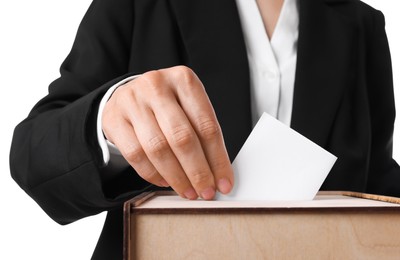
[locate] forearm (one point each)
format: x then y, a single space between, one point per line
56 159
55 156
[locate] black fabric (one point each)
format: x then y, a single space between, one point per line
111 238
343 98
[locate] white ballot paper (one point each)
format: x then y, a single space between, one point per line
277 163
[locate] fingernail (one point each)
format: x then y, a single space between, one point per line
190 194
163 183
224 185
208 194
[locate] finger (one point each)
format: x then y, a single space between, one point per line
157 149
184 143
124 138
213 145
197 106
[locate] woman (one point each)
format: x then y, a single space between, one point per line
329 77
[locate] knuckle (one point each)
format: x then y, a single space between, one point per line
187 76
200 177
220 164
157 146
119 103
149 176
134 154
122 93
208 129
125 97
152 76
154 81
184 70
120 97
182 137
177 182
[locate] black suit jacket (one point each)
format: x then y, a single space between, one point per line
343 98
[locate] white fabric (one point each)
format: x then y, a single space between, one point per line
272 62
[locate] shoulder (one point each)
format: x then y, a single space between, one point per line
356 11
356 6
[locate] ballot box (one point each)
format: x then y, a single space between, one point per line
335 225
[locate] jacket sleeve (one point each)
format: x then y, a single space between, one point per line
384 172
55 156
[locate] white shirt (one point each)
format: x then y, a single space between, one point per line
272 62
272 67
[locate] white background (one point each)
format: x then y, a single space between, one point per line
35 37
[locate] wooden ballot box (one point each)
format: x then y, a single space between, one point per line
335 225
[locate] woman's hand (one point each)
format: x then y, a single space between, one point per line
165 127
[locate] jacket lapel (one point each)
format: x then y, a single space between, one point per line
213 39
324 57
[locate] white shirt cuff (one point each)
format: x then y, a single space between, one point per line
106 146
